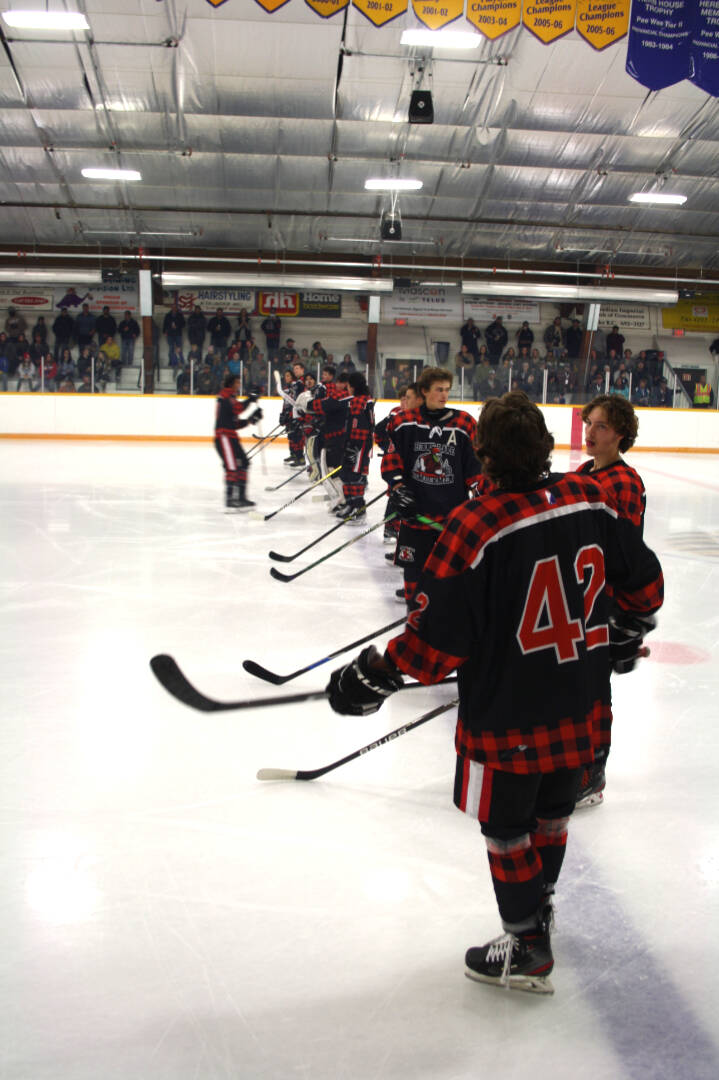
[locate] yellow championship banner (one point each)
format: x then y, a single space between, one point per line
327 8
494 17
270 6
549 19
434 14
700 313
602 22
380 12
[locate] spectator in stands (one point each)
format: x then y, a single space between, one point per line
243 333
4 366
714 347
63 328
26 374
573 340
628 359
111 350
523 355
535 359
703 394
129 330
511 356
641 371
67 386
621 386
84 327
661 396
85 384
641 393
37 350
66 366
104 372
205 383
525 337
194 356
84 360
219 330
197 327
470 334
615 341
105 325
15 325
40 329
496 337
489 387
464 361
256 374
172 327
554 338
288 353
318 354
270 327
233 362
176 358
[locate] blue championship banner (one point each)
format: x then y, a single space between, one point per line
659 49
705 48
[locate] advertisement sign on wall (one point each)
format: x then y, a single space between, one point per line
625 316
423 303
700 313
26 298
512 311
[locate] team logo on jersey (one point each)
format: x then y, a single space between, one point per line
433 467
405 553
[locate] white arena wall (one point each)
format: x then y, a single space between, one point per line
159 416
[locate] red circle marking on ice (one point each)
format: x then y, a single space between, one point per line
672 652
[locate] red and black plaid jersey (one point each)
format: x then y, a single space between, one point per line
332 411
513 596
381 436
432 453
624 488
360 423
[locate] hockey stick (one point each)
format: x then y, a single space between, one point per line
261 438
260 446
290 558
279 576
278 680
168 672
266 517
313 774
292 476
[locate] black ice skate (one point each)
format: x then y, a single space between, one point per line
591 791
515 961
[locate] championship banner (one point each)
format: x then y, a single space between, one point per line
27 298
434 14
705 48
380 12
602 22
494 17
327 8
659 49
270 6
701 314
549 20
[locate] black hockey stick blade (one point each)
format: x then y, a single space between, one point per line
279 576
313 774
292 476
169 674
290 558
278 680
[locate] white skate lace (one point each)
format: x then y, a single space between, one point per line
501 949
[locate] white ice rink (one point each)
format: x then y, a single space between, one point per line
165 916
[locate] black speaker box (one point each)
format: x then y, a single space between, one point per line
421 110
391 227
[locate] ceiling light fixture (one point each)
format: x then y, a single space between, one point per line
374 240
569 292
277 281
657 197
441 39
111 174
52 277
46 20
389 183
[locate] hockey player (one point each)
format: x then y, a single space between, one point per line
610 429
295 431
227 442
409 401
357 449
332 412
310 425
429 467
513 597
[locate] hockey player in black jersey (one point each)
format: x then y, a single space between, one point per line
513 597
227 442
429 465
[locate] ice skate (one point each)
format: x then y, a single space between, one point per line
514 962
591 791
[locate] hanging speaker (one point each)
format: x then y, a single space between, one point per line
421 110
390 227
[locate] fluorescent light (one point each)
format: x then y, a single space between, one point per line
111 174
441 39
569 292
277 281
657 197
377 240
46 20
390 184
138 232
52 277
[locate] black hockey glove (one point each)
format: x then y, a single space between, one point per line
256 415
627 631
359 689
253 397
402 502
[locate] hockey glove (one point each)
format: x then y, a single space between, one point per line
402 502
359 689
252 397
256 415
627 631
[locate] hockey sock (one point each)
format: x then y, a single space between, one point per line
550 841
517 878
